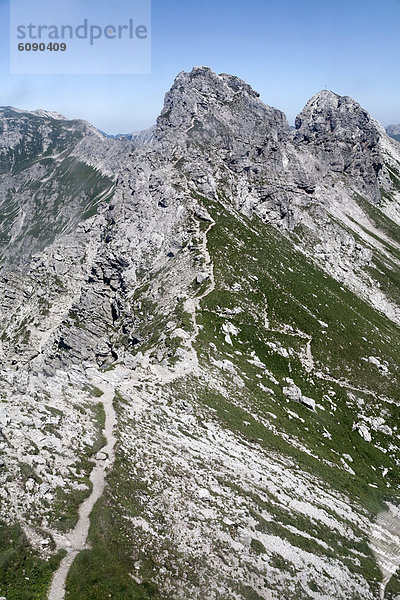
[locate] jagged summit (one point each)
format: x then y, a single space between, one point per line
323 99
343 133
220 110
218 107
204 76
221 115
326 111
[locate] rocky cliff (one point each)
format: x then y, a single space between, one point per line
233 286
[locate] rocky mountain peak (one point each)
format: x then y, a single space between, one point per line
343 134
329 113
220 108
223 85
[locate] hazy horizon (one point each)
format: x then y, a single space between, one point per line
129 131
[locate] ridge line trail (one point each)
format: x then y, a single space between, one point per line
75 540
190 365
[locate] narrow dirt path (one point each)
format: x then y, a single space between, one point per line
75 540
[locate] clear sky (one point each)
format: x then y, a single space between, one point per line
286 49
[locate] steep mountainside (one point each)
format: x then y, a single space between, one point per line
200 348
53 175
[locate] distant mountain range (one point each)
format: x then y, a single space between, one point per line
139 138
393 131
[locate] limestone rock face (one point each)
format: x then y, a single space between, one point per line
344 135
219 110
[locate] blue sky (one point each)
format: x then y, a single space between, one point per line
286 49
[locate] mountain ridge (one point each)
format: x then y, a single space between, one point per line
236 291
